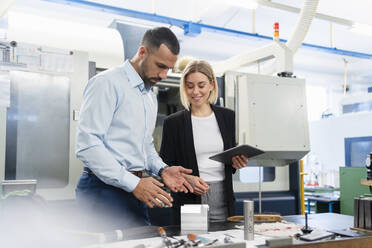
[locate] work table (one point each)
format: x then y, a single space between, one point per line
325 221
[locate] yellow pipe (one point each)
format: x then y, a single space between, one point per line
302 186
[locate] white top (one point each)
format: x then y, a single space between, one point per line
208 141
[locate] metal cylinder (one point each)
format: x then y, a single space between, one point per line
248 208
6 55
369 168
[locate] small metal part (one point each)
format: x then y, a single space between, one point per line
306 229
227 240
212 242
361 213
279 242
191 236
286 74
356 212
369 168
161 231
166 241
248 207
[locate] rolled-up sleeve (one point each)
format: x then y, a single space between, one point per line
96 113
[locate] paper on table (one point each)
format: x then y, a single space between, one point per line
4 90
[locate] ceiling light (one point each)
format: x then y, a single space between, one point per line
360 28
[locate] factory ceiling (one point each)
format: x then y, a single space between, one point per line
334 32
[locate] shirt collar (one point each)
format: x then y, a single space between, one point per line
134 78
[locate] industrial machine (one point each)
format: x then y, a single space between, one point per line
45 85
259 100
271 115
43 75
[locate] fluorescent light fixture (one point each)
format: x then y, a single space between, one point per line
360 28
248 4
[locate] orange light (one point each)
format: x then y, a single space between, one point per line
276 31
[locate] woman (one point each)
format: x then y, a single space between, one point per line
192 135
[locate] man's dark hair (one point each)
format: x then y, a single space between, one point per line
153 38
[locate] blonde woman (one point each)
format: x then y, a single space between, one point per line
192 135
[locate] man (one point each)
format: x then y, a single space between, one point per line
114 139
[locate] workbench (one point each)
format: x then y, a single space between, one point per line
328 221
330 201
149 237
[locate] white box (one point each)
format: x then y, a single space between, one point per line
194 218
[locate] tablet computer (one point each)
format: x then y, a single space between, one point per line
226 156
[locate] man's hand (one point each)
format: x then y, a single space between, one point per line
200 187
239 161
148 191
173 178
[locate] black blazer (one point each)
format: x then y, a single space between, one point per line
177 148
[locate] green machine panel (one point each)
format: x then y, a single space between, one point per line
350 187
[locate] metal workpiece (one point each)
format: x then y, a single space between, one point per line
369 168
248 208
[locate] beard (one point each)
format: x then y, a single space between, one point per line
148 81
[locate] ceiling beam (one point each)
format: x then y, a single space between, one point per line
184 24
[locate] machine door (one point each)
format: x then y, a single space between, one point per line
38 129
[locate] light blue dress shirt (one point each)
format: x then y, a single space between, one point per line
117 120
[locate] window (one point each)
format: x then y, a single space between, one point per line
356 150
251 174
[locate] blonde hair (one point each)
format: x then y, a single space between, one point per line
205 68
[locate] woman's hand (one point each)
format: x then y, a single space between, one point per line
173 177
239 161
200 187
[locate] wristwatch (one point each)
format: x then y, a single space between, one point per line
161 170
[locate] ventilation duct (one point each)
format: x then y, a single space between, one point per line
299 33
